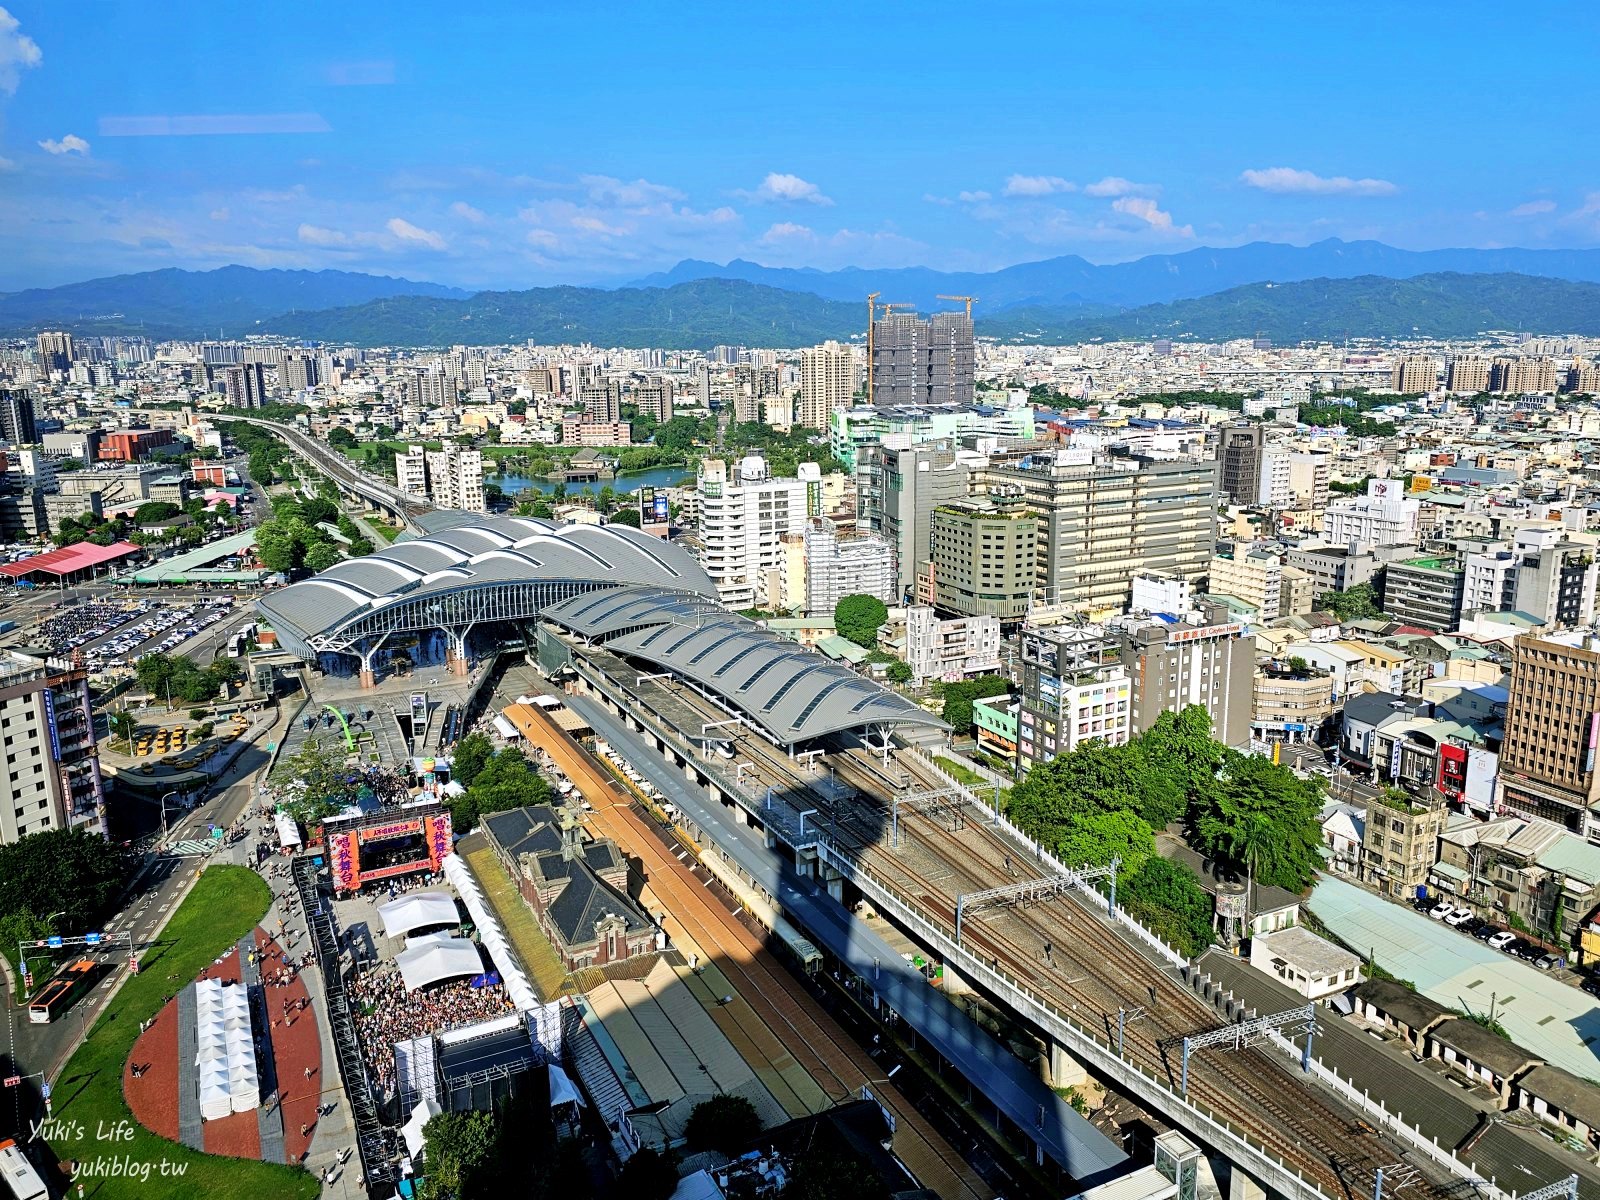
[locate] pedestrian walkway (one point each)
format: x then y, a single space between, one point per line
190 849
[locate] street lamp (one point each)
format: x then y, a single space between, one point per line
164 813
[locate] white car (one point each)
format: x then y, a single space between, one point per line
1501 940
1442 910
1459 917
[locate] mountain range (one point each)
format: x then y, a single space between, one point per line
1330 290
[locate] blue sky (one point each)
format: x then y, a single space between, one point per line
516 145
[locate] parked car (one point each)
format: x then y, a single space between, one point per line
1502 939
1529 951
1471 925
1548 962
1486 931
1458 916
1518 947
1441 910
1591 984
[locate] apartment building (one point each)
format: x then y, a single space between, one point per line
1262 579
922 362
1522 375
827 382
744 513
1468 373
981 560
245 385
1415 373
1287 705
455 479
411 472
837 567
1204 659
1385 516
1552 730
1105 520
950 650
1309 475
1074 689
654 398
1401 841
897 491
51 769
1426 592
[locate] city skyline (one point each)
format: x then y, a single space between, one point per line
530 148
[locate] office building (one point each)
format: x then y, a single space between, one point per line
1556 577
744 513
896 493
1469 374
1105 520
17 426
837 567
1288 705
455 479
1275 487
1548 762
245 385
1385 516
50 778
1074 689
981 561
851 430
1426 592
827 382
1204 659
1415 373
950 650
55 352
411 472
1239 463
1261 579
916 362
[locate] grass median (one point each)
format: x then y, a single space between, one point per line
224 905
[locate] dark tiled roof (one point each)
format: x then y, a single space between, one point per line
1488 1049
1400 1002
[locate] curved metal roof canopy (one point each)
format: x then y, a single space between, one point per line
792 693
494 569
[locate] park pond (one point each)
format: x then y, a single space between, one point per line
630 481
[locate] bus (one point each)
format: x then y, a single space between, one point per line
22 1180
57 996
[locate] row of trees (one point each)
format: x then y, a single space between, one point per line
1256 819
496 781
172 676
60 881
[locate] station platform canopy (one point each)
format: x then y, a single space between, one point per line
69 560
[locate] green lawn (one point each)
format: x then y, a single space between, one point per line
960 772
224 905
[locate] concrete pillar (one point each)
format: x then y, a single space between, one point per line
1242 1187
806 865
369 678
1065 1070
836 888
955 984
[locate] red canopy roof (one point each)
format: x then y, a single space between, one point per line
79 556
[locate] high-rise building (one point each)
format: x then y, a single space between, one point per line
653 398
1204 659
299 372
1260 578
917 362
1276 488
827 382
411 472
55 352
1548 764
17 426
1103 521
1556 576
1584 376
982 558
455 479
744 513
896 493
49 769
245 385
837 567
1425 591
1074 689
1309 476
1520 375
602 402
1239 460
1415 373
1470 373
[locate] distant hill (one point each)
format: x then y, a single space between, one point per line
1442 305
1154 279
174 303
695 315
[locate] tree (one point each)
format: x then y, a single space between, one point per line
360 547
899 672
958 698
1166 898
625 516
1358 603
505 782
71 871
459 1156
1262 820
320 556
725 1123
122 725
342 438
647 1175
153 511
859 618
321 783
1096 839
472 754
828 1169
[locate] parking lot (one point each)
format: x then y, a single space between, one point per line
112 632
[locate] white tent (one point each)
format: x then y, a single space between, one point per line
562 1089
417 911
437 961
288 831
412 1132
224 1050
506 729
516 983
417 941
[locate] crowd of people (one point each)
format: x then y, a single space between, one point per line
386 1013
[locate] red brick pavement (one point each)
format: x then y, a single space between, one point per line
296 1045
153 1096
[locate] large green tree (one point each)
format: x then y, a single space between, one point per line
859 618
1262 820
1358 603
1167 898
459 1156
68 871
471 755
506 781
958 698
725 1123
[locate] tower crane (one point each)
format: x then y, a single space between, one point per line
872 320
971 300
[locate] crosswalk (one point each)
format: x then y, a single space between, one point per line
190 849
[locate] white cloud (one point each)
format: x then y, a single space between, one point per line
1145 209
407 232
588 224
972 197
71 144
7 165
204 124
467 213
543 238
603 189
316 235
1115 185
781 188
942 201
1533 208
787 231
1037 185
1290 181
220 214
18 53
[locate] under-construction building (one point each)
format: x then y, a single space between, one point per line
919 362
